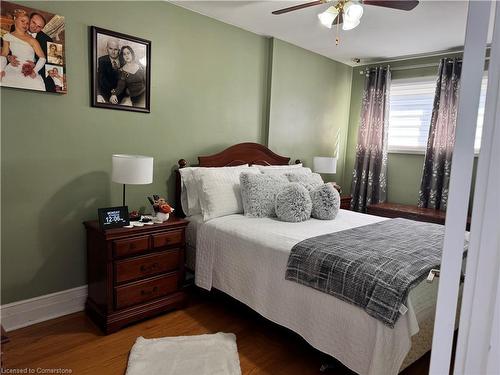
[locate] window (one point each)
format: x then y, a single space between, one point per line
410 114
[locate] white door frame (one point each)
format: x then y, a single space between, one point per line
460 184
479 322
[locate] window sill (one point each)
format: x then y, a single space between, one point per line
406 151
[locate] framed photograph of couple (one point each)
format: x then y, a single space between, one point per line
33 49
121 71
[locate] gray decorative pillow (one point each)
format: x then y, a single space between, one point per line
258 193
293 203
278 169
309 181
325 202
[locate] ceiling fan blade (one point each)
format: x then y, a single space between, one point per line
339 19
394 4
300 6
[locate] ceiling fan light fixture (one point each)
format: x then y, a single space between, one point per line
349 24
353 11
328 16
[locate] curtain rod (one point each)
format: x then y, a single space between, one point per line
408 67
423 56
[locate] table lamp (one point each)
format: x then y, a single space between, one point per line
325 165
132 170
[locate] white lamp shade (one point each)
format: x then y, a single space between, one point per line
132 169
353 11
328 16
349 25
323 164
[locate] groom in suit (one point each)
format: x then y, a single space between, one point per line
37 23
108 74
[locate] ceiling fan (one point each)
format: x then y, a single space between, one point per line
348 12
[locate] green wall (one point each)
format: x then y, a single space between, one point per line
404 171
309 105
211 88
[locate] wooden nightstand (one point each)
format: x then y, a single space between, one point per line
345 202
134 273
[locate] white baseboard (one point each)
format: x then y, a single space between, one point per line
35 310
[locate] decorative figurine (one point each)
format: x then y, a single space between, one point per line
162 209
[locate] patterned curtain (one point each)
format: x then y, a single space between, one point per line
369 182
437 165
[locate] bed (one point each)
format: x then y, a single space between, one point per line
246 259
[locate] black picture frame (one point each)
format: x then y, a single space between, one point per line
118 222
104 76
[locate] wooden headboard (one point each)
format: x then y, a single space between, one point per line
242 153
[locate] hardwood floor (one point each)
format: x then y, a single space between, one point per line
74 342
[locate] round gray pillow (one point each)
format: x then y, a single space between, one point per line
293 203
325 202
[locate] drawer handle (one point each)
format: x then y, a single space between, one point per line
150 268
149 292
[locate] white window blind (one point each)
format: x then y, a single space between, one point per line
410 114
480 114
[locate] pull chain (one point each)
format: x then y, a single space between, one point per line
337 38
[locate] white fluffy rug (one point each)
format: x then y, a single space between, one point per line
215 354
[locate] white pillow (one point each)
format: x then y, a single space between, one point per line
190 200
219 190
189 192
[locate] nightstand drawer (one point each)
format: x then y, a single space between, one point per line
142 291
130 246
175 237
148 265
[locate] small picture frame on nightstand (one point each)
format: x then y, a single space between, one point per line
113 217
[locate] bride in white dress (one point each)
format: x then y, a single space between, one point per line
24 47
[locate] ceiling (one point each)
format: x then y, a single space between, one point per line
384 34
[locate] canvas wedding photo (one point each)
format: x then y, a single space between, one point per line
31 39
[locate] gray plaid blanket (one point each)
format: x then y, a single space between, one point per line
373 267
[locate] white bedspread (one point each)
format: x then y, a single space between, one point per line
195 221
247 257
